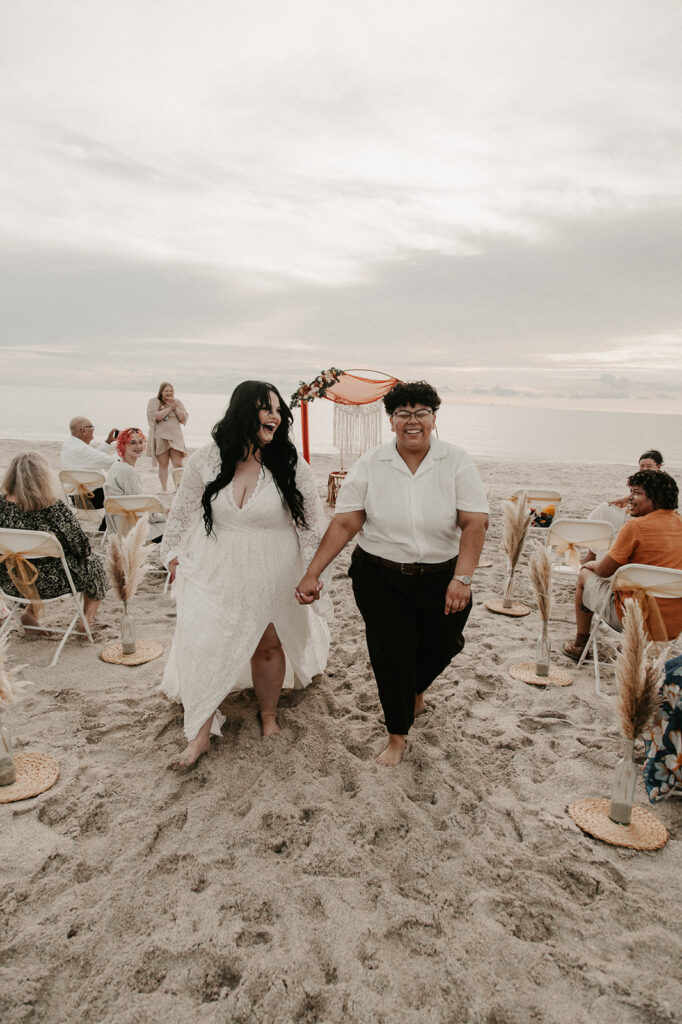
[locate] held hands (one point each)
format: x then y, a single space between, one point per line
308 589
456 597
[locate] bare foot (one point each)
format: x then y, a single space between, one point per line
29 619
190 755
420 707
392 755
268 723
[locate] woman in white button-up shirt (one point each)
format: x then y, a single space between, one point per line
421 511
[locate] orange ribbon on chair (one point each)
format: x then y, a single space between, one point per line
651 613
23 575
116 508
82 495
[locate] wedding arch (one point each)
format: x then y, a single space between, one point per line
358 410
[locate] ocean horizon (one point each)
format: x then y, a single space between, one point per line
513 432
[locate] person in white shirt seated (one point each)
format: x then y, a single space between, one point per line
78 452
420 508
123 478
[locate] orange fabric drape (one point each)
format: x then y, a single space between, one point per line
351 389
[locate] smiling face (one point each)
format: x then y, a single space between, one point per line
135 447
638 503
269 419
412 426
168 393
648 464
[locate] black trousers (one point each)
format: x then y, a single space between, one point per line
410 639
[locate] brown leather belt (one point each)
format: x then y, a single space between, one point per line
411 568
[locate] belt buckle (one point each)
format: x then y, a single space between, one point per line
410 569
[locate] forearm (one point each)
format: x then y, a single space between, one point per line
337 535
470 547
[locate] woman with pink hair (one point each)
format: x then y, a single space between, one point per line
123 478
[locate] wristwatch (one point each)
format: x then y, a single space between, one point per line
466 580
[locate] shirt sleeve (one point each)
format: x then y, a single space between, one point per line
470 495
623 548
353 492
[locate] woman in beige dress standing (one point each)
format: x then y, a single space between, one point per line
166 416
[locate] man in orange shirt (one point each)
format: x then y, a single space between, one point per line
651 536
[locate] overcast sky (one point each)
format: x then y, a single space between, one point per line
483 193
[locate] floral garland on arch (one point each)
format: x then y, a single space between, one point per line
316 389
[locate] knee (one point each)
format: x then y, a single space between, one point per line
268 650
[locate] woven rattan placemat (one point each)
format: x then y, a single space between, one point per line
35 774
516 611
146 650
527 674
645 831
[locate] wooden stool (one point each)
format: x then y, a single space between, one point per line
334 485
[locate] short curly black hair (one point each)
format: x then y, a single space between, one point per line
411 392
659 487
654 454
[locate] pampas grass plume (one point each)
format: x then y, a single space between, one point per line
639 674
540 570
516 522
126 560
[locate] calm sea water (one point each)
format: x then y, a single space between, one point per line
517 434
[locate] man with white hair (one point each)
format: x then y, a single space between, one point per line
78 452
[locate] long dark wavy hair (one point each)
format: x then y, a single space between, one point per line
237 431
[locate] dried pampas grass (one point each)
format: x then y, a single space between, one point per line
540 571
11 688
127 560
639 674
516 522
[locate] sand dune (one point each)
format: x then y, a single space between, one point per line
295 880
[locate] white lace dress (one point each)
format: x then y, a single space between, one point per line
231 585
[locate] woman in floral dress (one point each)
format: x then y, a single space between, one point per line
29 501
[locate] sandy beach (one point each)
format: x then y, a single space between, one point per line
294 880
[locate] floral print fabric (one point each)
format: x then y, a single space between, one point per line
663 738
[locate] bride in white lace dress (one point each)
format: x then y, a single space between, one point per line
245 520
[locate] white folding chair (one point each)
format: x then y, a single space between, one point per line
79 484
654 581
537 498
569 535
29 546
177 475
124 510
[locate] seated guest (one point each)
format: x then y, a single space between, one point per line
615 512
123 478
29 500
651 536
78 452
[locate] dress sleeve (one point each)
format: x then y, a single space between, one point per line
67 529
186 508
309 537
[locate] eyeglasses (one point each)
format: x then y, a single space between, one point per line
87 426
420 414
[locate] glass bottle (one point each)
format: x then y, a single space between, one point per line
7 770
127 631
623 789
507 599
543 652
